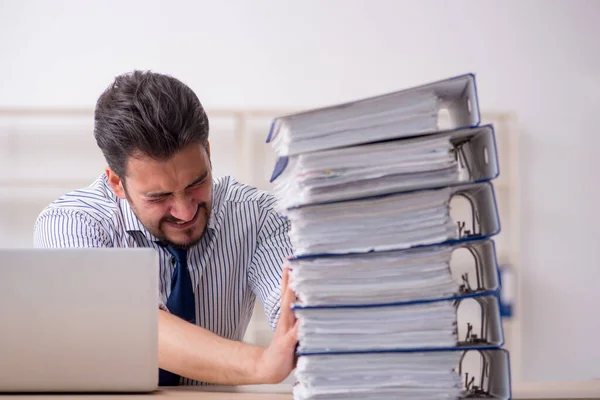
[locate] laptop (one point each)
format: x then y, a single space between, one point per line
78 320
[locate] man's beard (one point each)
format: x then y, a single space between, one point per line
158 232
202 207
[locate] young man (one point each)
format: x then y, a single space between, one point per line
221 243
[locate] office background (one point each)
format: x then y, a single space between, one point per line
538 74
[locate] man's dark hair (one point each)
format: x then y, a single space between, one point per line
150 114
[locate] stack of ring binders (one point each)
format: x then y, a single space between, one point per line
398 287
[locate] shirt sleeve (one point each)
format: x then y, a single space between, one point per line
65 228
273 247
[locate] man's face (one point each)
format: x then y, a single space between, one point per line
171 198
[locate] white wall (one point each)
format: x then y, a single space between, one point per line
538 58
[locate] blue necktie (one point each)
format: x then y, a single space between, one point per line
181 302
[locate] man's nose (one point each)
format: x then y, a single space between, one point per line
184 208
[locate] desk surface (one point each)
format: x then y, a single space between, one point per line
529 390
266 392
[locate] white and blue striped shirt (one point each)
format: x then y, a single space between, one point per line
239 258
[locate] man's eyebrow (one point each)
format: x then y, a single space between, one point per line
163 194
199 179
157 194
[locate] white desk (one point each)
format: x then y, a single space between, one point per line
535 390
556 390
183 393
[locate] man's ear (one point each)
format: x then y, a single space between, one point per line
116 184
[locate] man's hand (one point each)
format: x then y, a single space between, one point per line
279 359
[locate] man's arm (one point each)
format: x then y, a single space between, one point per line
66 228
273 248
186 349
199 354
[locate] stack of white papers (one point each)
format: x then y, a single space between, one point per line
418 375
425 325
362 171
374 278
382 223
379 118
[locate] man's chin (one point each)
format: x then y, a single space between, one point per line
184 239
180 244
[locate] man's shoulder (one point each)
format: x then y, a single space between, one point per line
96 201
229 190
258 209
